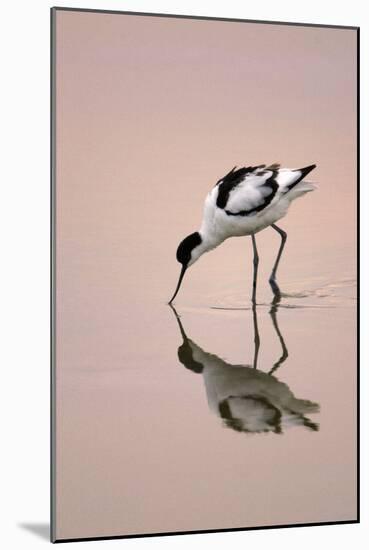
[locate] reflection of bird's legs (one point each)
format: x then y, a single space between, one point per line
256 336
273 315
256 263
272 278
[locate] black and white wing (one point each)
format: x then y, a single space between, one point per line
249 190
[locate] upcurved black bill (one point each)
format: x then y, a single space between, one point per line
183 271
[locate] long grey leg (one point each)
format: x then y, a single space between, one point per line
272 278
256 263
256 336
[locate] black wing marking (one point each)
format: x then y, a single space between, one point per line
270 183
303 172
231 180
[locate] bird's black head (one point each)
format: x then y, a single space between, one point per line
186 246
186 257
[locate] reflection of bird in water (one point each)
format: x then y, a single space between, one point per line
247 399
244 202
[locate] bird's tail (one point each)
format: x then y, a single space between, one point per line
301 188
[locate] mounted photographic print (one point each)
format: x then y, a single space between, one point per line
204 264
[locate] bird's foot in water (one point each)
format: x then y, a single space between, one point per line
275 288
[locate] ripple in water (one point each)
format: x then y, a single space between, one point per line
330 294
